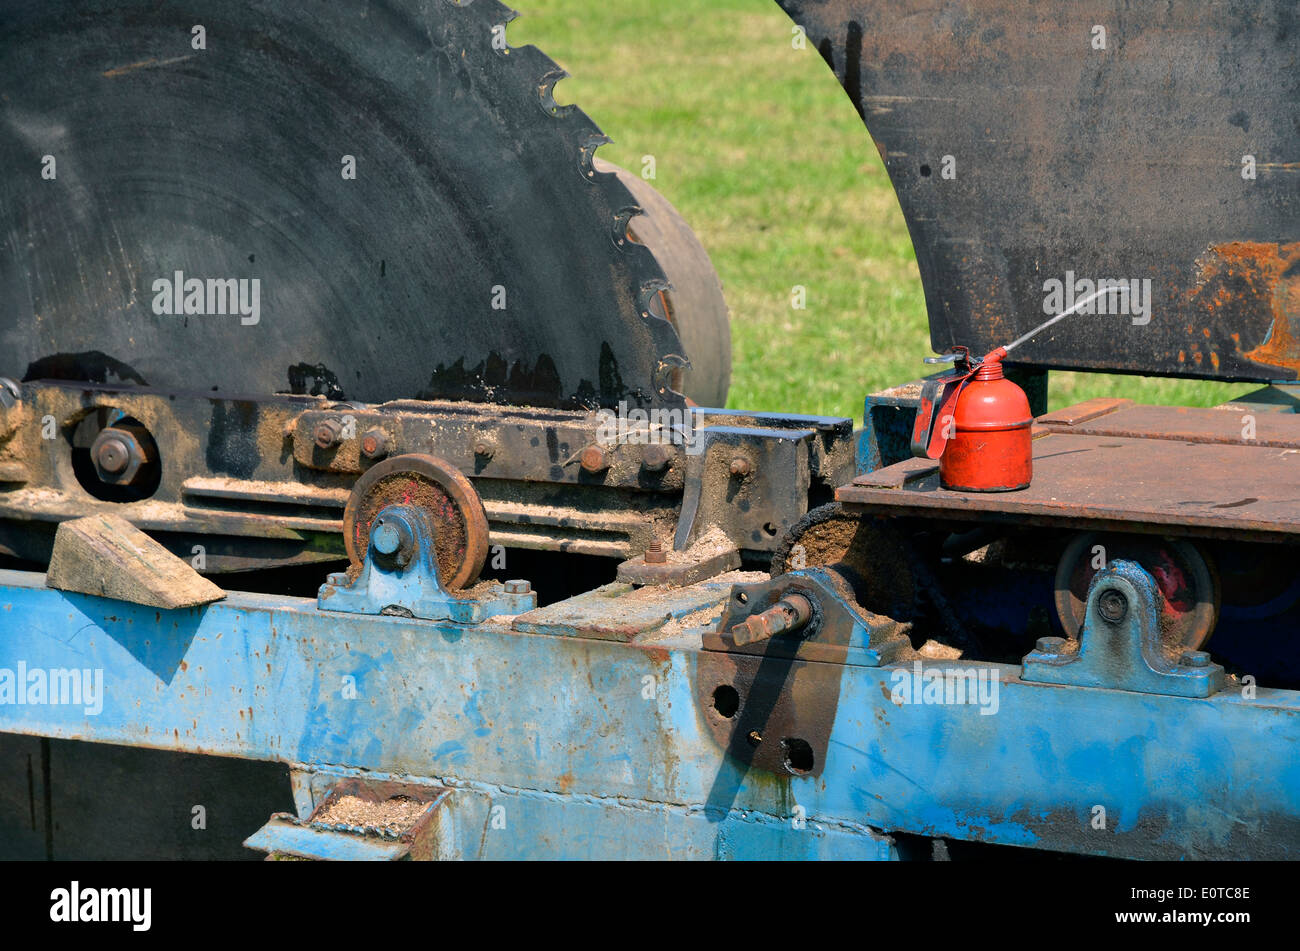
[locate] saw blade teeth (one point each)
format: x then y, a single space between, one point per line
588 161
546 94
647 276
620 234
649 290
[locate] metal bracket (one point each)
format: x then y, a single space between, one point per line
400 576
699 562
1120 647
359 820
768 680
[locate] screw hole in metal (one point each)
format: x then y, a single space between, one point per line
798 754
726 700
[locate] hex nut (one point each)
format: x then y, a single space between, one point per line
328 433
518 587
656 457
374 444
595 459
1113 605
119 456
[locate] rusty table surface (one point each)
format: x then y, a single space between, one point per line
1113 465
1232 424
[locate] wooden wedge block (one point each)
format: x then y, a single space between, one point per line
107 556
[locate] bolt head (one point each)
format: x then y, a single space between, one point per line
386 538
374 444
484 449
393 539
1113 605
741 467
518 587
328 433
595 459
1195 659
117 456
656 457
1049 645
113 455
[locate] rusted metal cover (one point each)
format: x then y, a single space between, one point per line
1027 147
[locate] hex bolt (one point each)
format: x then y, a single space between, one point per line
337 578
112 455
328 433
788 615
518 587
1195 659
656 457
374 444
1049 645
741 467
484 449
655 554
595 459
123 454
1113 605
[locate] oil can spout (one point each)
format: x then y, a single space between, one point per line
990 368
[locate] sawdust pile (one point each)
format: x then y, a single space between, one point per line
393 815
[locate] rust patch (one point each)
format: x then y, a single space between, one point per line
1254 276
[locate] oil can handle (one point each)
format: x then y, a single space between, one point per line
938 401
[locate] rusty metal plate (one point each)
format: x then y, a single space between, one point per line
1025 147
769 712
1113 482
1230 427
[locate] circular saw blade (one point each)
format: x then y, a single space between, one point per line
475 254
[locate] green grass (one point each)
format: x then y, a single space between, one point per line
761 151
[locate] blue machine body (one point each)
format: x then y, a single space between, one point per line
559 745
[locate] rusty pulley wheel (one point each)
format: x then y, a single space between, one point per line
1185 575
867 552
443 492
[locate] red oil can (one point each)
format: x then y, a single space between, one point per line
977 423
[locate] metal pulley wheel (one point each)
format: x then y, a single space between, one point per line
1185 575
446 496
870 555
